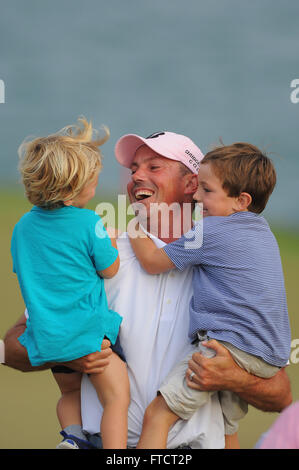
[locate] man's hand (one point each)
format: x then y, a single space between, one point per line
218 373
16 355
94 363
222 373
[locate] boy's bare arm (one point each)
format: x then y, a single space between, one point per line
222 373
16 355
109 272
153 260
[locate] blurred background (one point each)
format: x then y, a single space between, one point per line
209 70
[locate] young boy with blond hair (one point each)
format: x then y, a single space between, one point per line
61 253
238 286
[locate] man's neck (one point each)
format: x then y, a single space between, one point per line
171 230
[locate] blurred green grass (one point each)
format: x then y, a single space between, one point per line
28 400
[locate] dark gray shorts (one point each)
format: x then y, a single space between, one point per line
67 370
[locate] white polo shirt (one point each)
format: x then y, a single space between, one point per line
154 337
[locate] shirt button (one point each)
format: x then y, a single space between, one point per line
168 301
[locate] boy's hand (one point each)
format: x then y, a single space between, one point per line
134 230
113 232
94 363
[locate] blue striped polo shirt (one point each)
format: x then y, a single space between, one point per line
238 284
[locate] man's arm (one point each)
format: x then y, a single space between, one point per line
16 355
222 373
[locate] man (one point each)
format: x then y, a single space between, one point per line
152 335
154 329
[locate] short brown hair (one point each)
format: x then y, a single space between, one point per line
242 167
56 168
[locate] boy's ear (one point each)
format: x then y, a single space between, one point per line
68 203
243 201
191 183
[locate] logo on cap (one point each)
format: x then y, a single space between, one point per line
192 156
155 135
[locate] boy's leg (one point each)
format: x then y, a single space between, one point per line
158 418
113 390
232 441
69 410
176 400
69 405
233 407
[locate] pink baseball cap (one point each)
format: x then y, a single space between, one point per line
167 144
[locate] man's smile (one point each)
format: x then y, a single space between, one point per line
142 193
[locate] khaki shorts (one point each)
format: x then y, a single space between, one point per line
184 401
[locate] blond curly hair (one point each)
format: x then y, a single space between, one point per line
56 168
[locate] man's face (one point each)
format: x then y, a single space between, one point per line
155 179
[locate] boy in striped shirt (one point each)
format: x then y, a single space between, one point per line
238 287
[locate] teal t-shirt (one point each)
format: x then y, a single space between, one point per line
56 255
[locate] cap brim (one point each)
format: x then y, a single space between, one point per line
126 147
